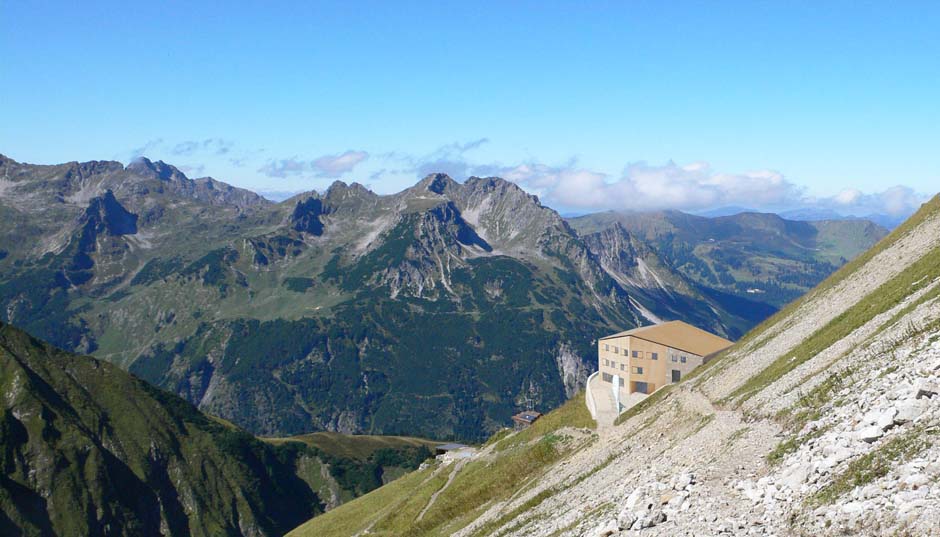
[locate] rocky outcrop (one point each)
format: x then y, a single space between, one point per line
105 215
206 190
306 216
572 369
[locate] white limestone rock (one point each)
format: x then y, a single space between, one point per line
870 434
605 529
909 410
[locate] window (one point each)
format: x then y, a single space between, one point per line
676 375
613 364
606 347
626 352
641 387
638 370
607 377
636 354
606 361
616 350
683 359
623 367
621 381
674 358
654 355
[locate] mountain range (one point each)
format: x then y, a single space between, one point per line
438 311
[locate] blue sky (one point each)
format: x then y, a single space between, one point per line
591 105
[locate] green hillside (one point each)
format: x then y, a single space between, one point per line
91 450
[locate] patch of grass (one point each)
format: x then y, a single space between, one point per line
497 436
790 445
702 423
888 370
355 446
353 517
298 285
520 458
490 528
737 435
573 413
809 406
480 483
874 465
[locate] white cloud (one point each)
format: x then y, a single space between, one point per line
337 165
326 166
145 149
645 187
450 159
217 146
284 167
895 201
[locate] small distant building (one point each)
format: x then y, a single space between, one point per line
448 448
525 418
645 359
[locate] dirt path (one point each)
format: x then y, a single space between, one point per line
604 402
453 473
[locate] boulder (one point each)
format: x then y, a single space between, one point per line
909 410
927 390
683 481
885 419
632 500
606 529
870 434
625 519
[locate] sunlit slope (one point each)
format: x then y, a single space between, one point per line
441 499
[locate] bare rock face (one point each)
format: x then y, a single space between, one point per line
572 369
306 216
105 215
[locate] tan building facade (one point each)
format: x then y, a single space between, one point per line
645 359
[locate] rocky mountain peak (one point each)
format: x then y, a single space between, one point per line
158 169
438 183
107 215
306 216
341 191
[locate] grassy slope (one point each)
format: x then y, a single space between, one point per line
358 446
88 447
517 459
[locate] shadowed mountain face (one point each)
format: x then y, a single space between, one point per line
439 311
88 449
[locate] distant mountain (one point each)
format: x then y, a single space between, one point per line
437 311
730 210
809 214
750 257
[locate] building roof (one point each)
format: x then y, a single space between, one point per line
450 447
678 335
527 416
